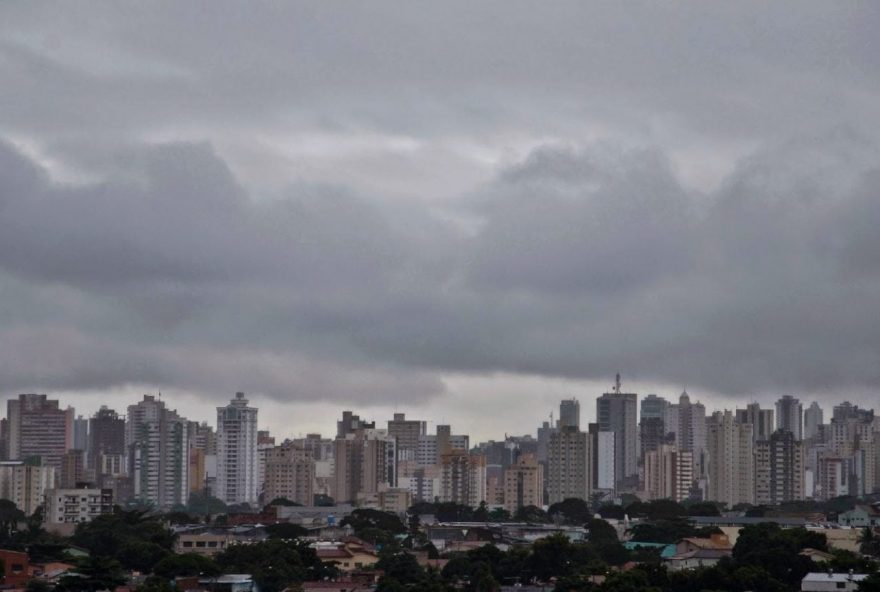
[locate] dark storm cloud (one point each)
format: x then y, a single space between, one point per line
346 205
583 260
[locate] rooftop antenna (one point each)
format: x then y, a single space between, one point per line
617 383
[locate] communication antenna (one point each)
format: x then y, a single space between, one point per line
617 383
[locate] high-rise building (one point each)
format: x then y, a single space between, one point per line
106 437
463 478
25 484
431 446
365 462
731 460
38 427
691 435
290 473
158 453
790 416
569 465
602 447
407 432
761 420
73 469
81 434
813 418
523 484
779 469
653 406
669 473
237 470
617 412
570 413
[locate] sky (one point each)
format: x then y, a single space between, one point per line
462 211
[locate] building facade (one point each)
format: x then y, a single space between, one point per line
237 466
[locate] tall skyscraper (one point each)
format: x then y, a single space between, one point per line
652 423
779 469
38 427
618 412
106 437
731 460
81 434
653 406
237 470
158 453
761 420
790 416
569 465
813 418
602 463
570 413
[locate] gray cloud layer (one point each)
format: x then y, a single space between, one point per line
346 205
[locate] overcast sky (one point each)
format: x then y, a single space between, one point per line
465 211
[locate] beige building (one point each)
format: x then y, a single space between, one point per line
463 478
25 484
290 473
365 463
669 473
524 484
569 465
731 460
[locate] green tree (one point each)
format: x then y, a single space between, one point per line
572 510
869 542
10 516
481 514
532 515
135 539
402 566
93 573
367 518
286 530
274 563
202 504
186 564
601 532
870 584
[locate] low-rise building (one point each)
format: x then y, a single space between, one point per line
861 516
348 555
65 508
831 582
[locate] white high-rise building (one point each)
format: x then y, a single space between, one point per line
813 418
691 436
731 460
237 462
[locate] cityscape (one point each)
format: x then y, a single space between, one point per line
439 296
784 464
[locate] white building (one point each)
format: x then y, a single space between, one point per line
237 452
831 582
71 506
